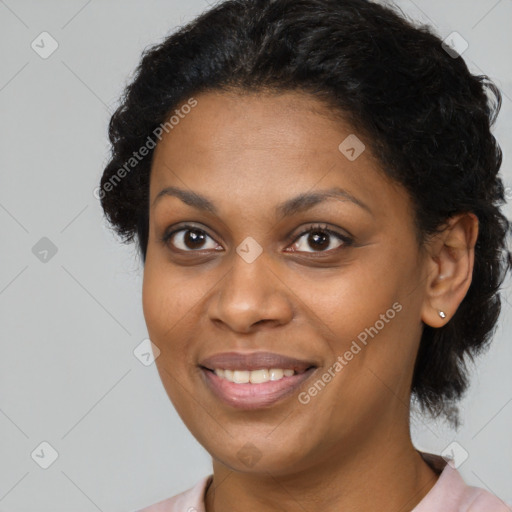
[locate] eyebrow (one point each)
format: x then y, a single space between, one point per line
289 207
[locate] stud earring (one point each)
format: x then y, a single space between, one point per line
442 314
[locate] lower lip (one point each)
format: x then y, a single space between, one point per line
254 396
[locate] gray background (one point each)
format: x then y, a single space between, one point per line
69 325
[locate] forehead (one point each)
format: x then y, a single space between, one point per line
264 146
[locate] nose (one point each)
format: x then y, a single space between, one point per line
251 295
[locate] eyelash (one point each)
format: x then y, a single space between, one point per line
321 228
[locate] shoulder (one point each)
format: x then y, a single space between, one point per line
451 494
191 500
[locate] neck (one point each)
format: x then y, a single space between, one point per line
387 474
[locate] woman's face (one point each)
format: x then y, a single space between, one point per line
304 251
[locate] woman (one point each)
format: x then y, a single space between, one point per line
314 189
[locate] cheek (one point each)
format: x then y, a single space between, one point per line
365 316
348 300
167 295
168 304
168 301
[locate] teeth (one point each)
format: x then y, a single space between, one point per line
254 376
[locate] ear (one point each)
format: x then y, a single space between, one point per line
450 260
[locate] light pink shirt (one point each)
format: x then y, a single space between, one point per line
449 494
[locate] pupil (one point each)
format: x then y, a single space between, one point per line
314 238
193 239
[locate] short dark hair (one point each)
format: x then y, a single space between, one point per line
424 115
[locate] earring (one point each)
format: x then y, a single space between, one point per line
442 314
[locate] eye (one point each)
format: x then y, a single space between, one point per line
189 239
320 239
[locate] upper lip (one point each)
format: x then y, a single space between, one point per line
254 361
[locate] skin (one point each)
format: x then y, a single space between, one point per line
349 448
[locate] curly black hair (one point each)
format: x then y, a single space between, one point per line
425 116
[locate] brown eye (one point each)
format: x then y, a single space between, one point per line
190 239
320 239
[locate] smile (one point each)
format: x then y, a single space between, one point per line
255 389
254 376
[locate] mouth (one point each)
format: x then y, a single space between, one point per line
253 381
